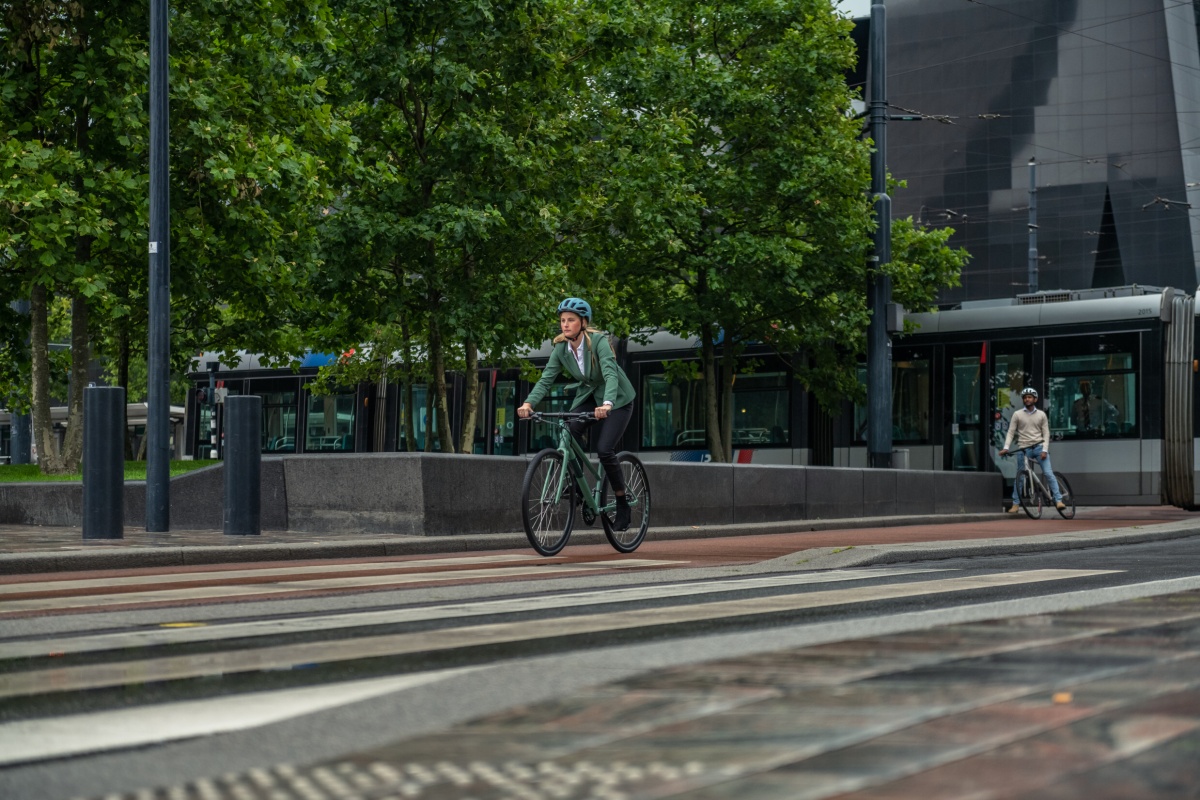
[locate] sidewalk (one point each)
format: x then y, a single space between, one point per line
829 544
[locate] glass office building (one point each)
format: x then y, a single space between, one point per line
1104 96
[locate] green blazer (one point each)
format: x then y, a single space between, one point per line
603 378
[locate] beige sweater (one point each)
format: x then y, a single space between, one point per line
1029 429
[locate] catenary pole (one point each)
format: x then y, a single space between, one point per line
1033 228
879 285
158 419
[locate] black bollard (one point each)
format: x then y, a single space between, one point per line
20 439
103 462
243 465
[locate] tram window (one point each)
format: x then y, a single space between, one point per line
760 409
330 425
421 426
279 412
479 440
910 400
672 412
504 429
1092 390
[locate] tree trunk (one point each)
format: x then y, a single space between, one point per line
430 425
437 364
466 442
712 396
39 347
72 453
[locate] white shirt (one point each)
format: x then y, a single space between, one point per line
578 353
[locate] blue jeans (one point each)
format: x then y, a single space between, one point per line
1047 470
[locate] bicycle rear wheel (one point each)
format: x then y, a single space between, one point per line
1031 498
547 511
637 489
1068 497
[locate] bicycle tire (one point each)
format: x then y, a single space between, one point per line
547 514
1031 498
637 487
1068 497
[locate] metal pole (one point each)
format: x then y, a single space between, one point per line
158 412
1033 253
243 465
879 287
103 462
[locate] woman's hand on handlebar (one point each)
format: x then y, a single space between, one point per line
1004 452
524 411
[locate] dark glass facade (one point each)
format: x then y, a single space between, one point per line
1103 94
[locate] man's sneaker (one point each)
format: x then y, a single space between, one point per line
621 518
1013 509
1060 505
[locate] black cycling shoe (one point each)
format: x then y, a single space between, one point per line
621 518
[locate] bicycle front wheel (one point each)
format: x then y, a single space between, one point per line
1068 497
1031 498
547 503
637 489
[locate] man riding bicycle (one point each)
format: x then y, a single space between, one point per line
1031 428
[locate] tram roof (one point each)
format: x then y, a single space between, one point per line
1051 308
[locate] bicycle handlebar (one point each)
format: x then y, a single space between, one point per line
568 415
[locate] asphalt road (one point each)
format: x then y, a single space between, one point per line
117 681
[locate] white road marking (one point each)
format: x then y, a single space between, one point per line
49 584
75 678
215 632
348 583
75 734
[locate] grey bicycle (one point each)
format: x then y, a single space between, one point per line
1033 491
556 484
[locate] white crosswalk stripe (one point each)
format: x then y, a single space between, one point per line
241 660
320 622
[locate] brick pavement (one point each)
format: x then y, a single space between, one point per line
26 549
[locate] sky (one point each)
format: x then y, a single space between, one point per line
856 8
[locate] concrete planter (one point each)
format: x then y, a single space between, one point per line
438 495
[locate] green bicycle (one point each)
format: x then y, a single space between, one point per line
556 483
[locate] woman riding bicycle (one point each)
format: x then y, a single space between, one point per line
1032 431
601 387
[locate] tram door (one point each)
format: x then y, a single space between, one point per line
965 440
1010 364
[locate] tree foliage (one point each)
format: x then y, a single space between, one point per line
429 178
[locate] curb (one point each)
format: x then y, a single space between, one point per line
105 555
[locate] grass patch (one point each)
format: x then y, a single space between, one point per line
134 471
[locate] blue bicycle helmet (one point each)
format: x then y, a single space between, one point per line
576 306
1029 390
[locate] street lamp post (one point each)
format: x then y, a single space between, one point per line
158 413
879 296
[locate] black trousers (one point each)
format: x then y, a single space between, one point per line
606 434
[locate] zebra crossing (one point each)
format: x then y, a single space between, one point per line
42 667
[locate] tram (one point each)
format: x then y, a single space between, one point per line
1115 368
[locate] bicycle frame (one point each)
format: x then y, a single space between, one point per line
1036 477
572 453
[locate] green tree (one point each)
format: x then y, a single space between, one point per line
472 176
756 226
249 128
